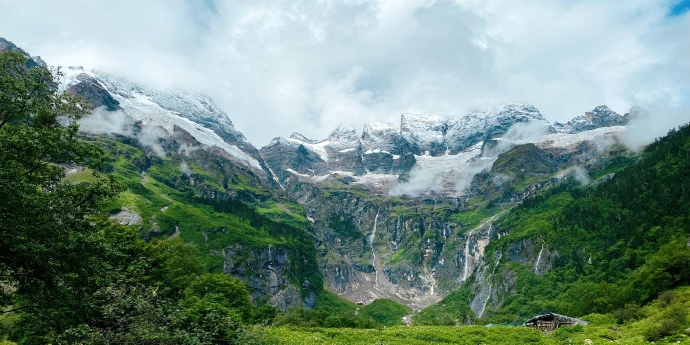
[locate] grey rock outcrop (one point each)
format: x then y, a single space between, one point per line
414 249
601 116
90 89
267 272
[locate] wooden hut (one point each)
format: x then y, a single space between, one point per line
551 321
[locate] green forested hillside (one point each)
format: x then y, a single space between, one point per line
194 206
620 242
69 274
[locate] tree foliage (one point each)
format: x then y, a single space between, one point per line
48 244
613 246
67 273
619 244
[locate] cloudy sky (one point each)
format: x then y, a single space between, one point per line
277 66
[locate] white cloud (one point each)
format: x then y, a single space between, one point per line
649 124
307 66
118 122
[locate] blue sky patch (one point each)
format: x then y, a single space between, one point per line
679 8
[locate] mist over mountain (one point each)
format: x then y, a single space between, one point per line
454 216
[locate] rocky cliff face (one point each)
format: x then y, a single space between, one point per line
162 113
385 249
90 89
406 212
600 116
6 45
191 146
267 272
401 211
493 279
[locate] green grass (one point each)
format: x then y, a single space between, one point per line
333 304
178 192
291 213
659 322
418 335
470 219
405 254
451 310
602 329
81 175
386 311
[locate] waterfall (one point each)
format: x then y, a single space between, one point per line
372 237
536 264
491 284
467 256
488 296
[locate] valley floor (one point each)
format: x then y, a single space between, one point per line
418 335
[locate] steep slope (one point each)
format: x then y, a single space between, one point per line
384 152
6 45
168 112
264 244
600 116
576 250
190 174
402 212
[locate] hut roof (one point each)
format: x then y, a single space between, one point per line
558 318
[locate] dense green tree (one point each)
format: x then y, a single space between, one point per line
230 291
616 244
67 273
49 246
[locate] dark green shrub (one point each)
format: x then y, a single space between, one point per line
631 311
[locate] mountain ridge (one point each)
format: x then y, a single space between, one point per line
425 160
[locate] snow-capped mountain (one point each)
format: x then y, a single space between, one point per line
203 123
32 61
386 156
600 116
400 186
474 127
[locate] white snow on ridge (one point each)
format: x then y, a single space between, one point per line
318 148
70 76
446 163
341 172
292 171
370 151
565 139
424 129
321 178
141 108
371 179
375 179
380 127
454 173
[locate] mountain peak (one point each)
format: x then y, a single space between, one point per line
377 129
600 116
410 120
344 132
601 109
300 137
514 110
6 45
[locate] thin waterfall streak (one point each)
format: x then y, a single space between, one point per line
467 256
372 237
486 301
536 264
